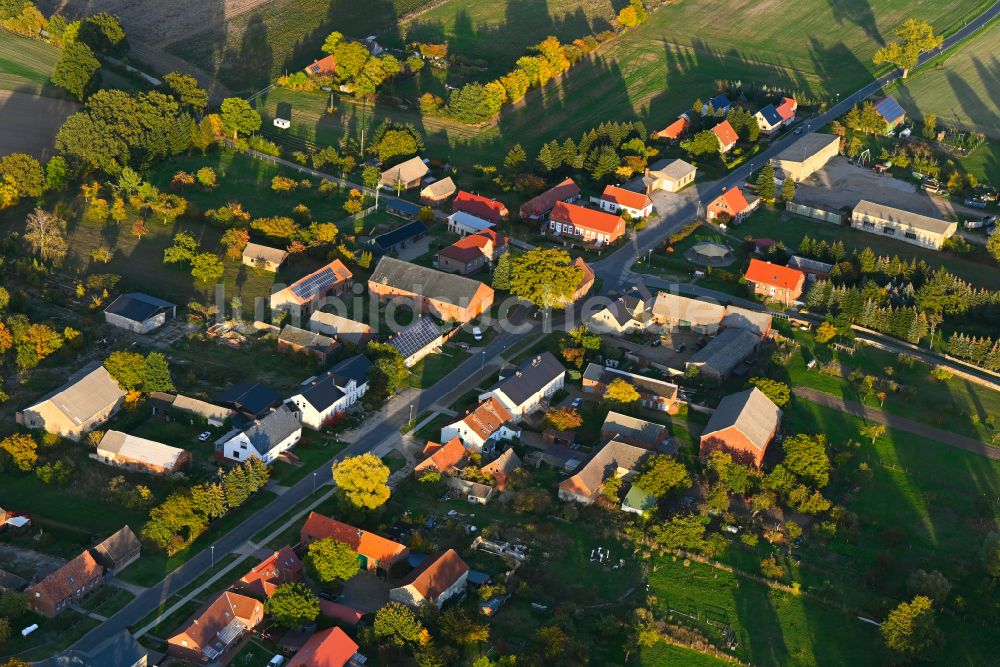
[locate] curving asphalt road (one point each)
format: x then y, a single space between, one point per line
613 270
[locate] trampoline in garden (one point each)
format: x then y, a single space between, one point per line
707 253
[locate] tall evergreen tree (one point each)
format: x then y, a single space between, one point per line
765 183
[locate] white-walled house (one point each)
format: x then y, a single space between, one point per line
530 387
332 393
485 423
266 438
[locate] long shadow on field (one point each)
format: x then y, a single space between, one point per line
832 63
858 12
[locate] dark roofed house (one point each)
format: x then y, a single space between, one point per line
743 426
302 340
634 431
445 295
418 340
401 208
139 313
321 400
719 104
118 551
399 238
253 400
530 387
265 438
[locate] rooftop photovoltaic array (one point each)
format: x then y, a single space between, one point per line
312 285
416 337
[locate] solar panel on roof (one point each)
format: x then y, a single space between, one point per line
415 337
314 284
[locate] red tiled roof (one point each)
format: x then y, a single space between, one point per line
674 130
368 544
623 197
787 108
436 574
473 246
481 207
487 417
63 582
442 457
323 67
736 201
545 201
340 612
281 568
774 274
725 132
203 628
328 648
586 218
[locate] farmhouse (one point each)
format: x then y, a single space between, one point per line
438 192
447 296
281 567
442 458
743 426
328 648
717 360
139 313
266 438
213 415
805 157
616 200
774 281
463 224
675 130
333 393
475 251
891 112
217 629
731 206
439 578
480 207
69 584
405 175
913 228
398 238
757 321
668 175
419 339
614 459
344 329
585 224
629 312
727 136
118 551
401 208
634 431
140 455
674 312
325 66
538 207
306 294
653 394
481 424
88 400
374 551
530 387
264 257
294 339
501 468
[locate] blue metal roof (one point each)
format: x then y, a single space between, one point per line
403 206
720 102
890 110
406 232
137 306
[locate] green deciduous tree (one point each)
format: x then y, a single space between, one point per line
563 419
362 480
473 103
396 624
185 88
77 71
24 173
621 391
293 604
704 142
806 457
683 531
388 372
779 392
127 368
662 474
546 277
330 561
239 117
788 189
103 33
910 631
931 584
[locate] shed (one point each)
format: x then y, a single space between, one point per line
139 313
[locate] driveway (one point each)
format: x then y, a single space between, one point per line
365 592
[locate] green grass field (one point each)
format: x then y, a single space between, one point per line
961 90
26 64
669 655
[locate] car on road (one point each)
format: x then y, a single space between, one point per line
477 333
798 130
204 435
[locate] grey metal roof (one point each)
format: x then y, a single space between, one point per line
743 318
903 218
675 307
138 307
88 392
346 329
414 338
140 449
674 170
605 462
270 431
751 412
531 377
429 283
806 264
633 427
724 352
806 146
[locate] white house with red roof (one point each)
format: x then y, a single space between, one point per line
586 225
732 206
481 207
775 116
615 200
727 136
487 422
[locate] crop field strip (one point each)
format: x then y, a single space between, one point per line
25 64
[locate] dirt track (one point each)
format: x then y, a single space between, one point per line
28 123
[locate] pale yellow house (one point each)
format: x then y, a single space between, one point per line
88 400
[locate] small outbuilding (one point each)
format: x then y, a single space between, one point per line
139 313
